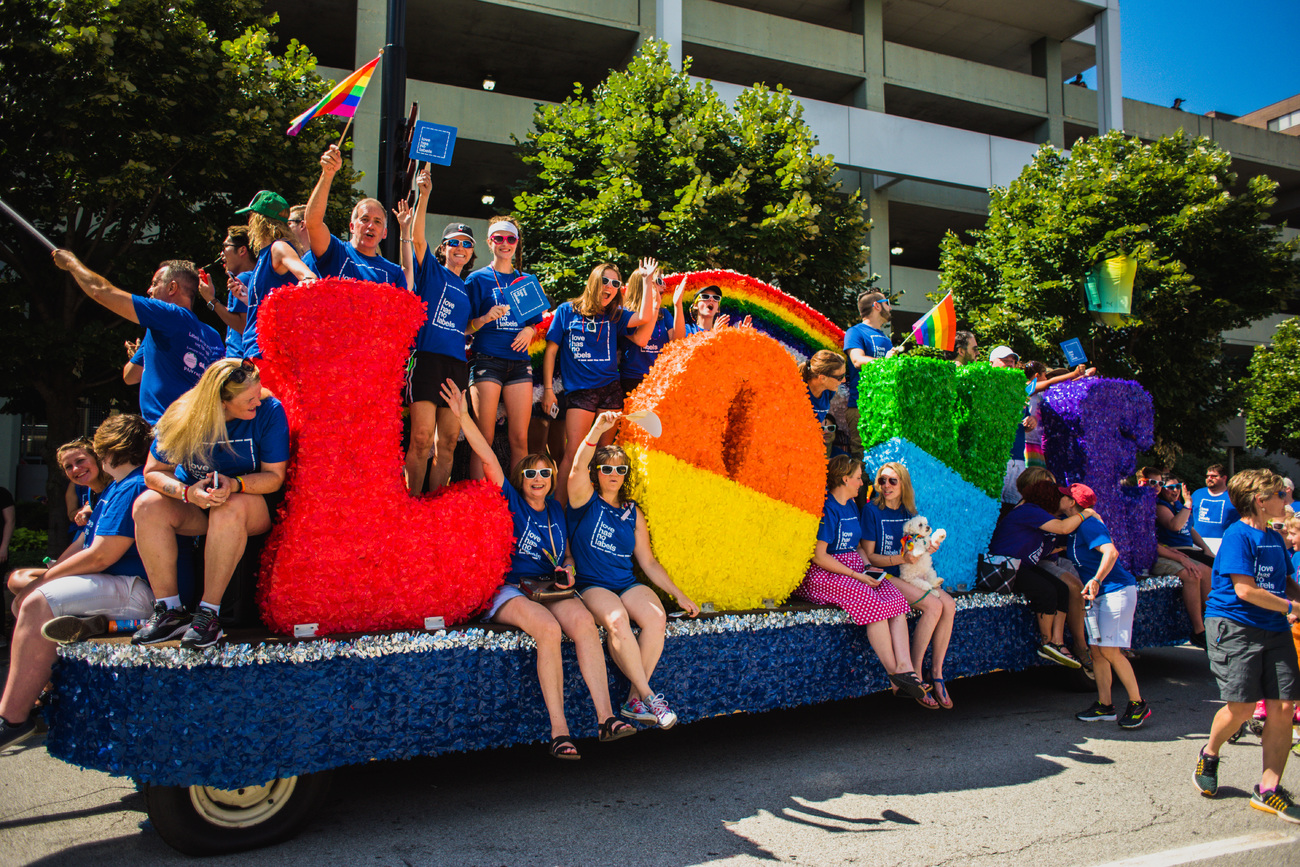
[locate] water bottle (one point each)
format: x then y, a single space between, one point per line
1091 623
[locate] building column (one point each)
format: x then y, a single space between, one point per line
667 27
877 196
1046 64
372 34
1110 94
869 21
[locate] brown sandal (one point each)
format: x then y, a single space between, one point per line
562 748
614 728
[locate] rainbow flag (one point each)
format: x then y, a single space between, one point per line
342 100
938 327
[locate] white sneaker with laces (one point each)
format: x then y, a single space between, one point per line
663 716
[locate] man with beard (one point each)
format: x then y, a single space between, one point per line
1212 510
864 343
358 258
966 348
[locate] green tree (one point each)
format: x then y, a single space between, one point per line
132 131
1207 263
650 164
1273 393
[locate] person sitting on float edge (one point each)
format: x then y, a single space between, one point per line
99 576
439 352
607 530
1248 621
892 506
278 262
822 375
1112 591
1020 536
838 576
541 555
86 476
359 257
220 449
177 347
1178 552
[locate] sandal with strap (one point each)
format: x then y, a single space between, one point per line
562 748
910 685
614 728
928 702
940 693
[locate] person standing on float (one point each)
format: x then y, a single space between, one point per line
359 257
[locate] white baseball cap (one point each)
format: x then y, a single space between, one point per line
1001 352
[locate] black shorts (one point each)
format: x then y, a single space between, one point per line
428 371
1045 593
502 371
629 385
1251 663
561 404
606 397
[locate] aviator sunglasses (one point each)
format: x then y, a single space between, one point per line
459 242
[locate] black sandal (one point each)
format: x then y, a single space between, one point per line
909 684
562 748
614 728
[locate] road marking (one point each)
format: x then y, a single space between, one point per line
1202 851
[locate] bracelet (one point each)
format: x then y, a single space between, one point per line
547 388
185 494
408 240
593 445
240 479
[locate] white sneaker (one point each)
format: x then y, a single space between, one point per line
633 709
663 716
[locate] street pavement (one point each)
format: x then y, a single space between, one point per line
1008 777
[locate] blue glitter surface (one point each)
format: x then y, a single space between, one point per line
242 714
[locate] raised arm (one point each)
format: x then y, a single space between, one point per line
405 220
208 293
477 442
679 315
100 290
314 218
424 183
579 481
646 312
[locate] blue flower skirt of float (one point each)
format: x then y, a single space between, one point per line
240 714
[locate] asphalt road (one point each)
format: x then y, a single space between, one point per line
1008 777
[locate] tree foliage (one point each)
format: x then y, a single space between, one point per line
649 164
1273 393
132 131
1207 263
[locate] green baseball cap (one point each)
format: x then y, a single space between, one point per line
268 204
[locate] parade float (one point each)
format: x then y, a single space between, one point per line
369 595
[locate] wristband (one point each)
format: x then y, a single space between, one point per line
593 445
185 494
240 479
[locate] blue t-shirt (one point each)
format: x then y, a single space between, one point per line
1017 533
235 339
1247 551
1018 443
263 439
603 539
588 346
264 281
1295 566
487 288
637 360
840 527
341 259
821 405
448 316
874 342
177 349
1082 545
1212 513
112 517
1174 538
885 528
539 537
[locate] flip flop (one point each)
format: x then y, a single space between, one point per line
940 693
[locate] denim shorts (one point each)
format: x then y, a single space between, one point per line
502 371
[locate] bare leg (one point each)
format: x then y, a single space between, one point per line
644 607
519 410
21 582
448 433
545 630
882 643
577 623
1226 722
934 626
1058 628
158 521
1074 617
417 453
1193 598
31 659
485 395
898 640
576 424
609 612
229 527
1276 741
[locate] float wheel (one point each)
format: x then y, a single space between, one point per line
202 820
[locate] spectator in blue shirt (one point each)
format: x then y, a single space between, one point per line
1212 509
864 343
1248 620
177 346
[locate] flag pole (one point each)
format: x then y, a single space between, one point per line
346 127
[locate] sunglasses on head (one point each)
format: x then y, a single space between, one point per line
609 469
608 281
504 239
544 472
241 374
886 480
459 242
708 296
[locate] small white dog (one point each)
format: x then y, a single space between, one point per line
916 539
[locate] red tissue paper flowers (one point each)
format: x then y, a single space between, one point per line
353 552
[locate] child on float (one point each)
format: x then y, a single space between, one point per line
822 374
838 576
100 576
607 531
635 360
541 554
1112 591
439 352
279 260
584 336
86 477
500 371
892 505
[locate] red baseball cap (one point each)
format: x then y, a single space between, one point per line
1081 494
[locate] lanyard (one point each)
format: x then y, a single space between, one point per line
555 554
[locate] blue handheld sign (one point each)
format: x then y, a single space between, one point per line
526 298
1074 354
433 142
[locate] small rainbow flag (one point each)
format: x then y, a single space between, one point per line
938 328
342 100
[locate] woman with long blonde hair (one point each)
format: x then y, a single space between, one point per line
220 449
584 334
636 359
278 258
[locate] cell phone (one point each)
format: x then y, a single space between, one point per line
554 411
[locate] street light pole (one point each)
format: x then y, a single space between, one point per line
392 116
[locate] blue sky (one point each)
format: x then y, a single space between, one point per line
1234 56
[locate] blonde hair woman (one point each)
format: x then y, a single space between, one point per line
278 258
636 358
220 449
584 334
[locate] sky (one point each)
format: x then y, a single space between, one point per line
1234 56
